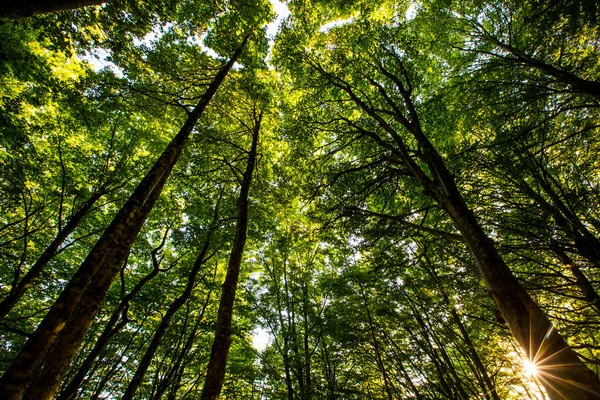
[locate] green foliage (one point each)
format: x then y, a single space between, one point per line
360 280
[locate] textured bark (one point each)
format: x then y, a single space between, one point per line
73 312
166 319
67 343
562 373
116 322
29 8
215 374
36 269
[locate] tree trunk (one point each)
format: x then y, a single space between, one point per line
72 314
29 8
215 374
561 371
34 272
111 328
583 283
173 308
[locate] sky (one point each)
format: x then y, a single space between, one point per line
282 12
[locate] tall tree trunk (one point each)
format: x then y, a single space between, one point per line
173 308
117 321
72 314
36 269
561 371
29 8
215 374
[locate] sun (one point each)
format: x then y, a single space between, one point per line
530 368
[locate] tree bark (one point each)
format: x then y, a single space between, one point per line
72 314
111 328
36 269
29 8
215 374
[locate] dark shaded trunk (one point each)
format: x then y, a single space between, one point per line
72 314
307 361
29 8
564 374
576 83
117 321
583 283
329 368
166 319
215 374
36 269
586 244
399 355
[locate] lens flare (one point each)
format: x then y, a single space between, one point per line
530 368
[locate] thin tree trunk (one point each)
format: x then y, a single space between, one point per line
583 283
36 269
73 312
398 359
215 373
483 377
29 8
378 357
173 308
307 361
329 370
285 350
179 365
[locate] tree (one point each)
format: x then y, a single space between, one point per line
97 268
381 110
407 198
215 373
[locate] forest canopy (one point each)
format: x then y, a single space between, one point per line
249 199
